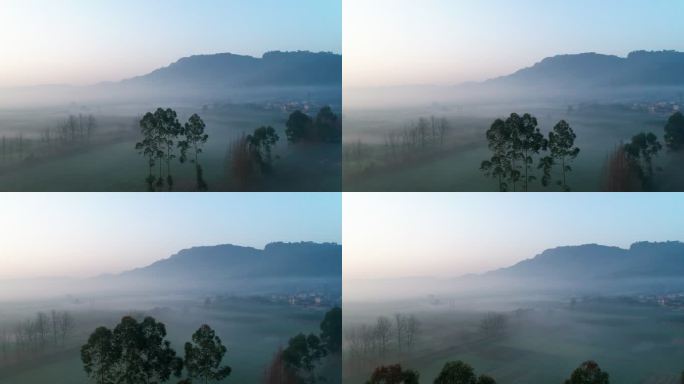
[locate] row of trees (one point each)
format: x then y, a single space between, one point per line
75 130
162 135
251 155
138 352
388 335
517 144
630 167
416 138
325 127
34 335
458 372
297 363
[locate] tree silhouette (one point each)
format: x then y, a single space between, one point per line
498 136
99 356
194 139
640 152
331 330
299 127
527 142
562 148
204 355
169 129
674 132
328 126
302 354
149 147
393 374
259 145
458 372
145 355
588 372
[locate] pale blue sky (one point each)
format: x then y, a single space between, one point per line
452 234
83 234
85 41
390 42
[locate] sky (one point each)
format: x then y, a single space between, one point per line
89 41
408 42
393 235
87 234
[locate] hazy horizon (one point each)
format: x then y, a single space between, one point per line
394 43
84 235
446 235
80 42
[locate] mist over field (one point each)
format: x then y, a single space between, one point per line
434 137
83 138
255 300
534 321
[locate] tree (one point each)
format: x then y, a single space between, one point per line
383 331
302 354
497 166
277 372
99 356
494 325
530 141
204 355
149 147
674 132
260 143
456 372
298 127
412 329
331 330
562 148
145 355
159 130
194 139
328 126
393 374
169 128
66 325
640 152
484 379
400 329
588 372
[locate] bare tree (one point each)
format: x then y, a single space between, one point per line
383 331
66 325
412 329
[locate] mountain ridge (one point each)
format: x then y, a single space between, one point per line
638 68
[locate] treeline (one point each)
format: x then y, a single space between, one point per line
75 131
387 336
418 138
32 336
251 155
519 149
136 352
162 135
630 166
458 372
299 362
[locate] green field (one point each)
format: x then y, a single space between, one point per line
455 166
252 330
111 162
635 343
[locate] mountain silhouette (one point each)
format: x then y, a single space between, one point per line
276 260
639 68
643 260
274 69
